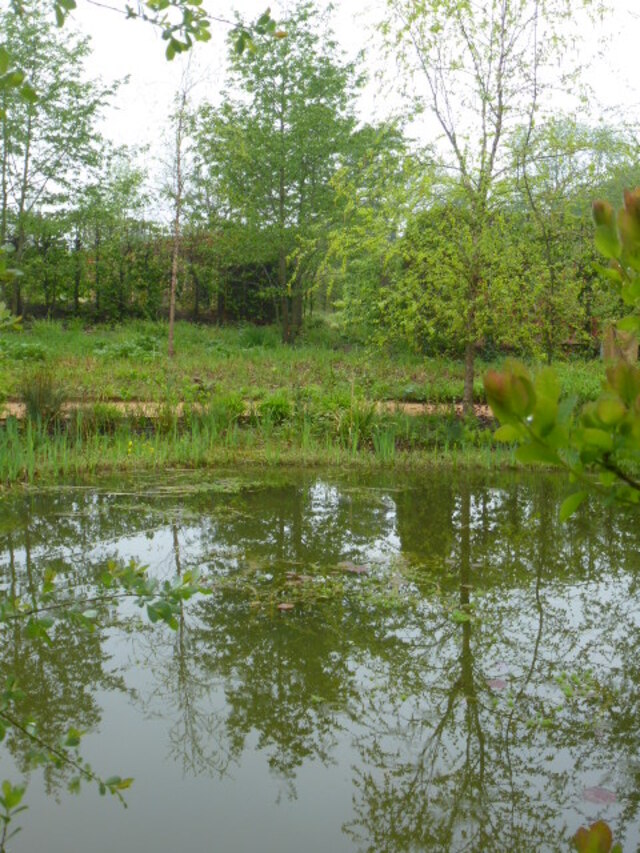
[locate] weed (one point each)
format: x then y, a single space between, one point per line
43 397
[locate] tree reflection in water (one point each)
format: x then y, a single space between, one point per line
479 680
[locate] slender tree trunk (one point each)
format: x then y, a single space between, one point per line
4 184
16 302
77 273
282 282
96 267
296 312
175 252
196 293
469 375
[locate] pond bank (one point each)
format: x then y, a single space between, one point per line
356 439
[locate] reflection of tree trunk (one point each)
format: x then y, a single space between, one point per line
466 655
176 549
13 591
29 567
297 524
541 557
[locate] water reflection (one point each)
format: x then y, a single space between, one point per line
478 687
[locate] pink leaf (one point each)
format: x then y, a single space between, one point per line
600 796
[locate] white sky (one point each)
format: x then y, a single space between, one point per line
135 49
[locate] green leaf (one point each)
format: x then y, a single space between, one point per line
607 241
571 505
629 324
598 439
547 385
28 93
12 795
537 453
5 59
610 411
14 79
507 434
460 616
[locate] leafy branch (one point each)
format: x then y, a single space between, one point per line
598 444
163 603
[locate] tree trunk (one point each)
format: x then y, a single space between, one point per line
196 294
296 313
96 268
77 274
282 284
469 375
175 254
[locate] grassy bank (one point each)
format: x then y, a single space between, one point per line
130 363
33 452
102 399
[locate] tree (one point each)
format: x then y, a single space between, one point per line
46 142
282 136
561 165
181 22
479 68
179 122
375 190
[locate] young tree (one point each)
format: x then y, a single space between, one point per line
45 142
376 190
180 120
271 151
479 70
561 165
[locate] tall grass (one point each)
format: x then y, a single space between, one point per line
129 362
30 452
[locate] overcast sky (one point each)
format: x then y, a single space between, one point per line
130 48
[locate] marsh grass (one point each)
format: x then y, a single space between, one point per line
43 396
102 442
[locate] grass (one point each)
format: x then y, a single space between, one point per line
130 363
247 400
95 441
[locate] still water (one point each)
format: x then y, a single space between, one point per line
457 672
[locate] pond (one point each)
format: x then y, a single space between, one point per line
452 670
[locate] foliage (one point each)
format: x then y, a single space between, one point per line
38 615
600 443
45 140
375 190
181 22
478 70
42 396
561 164
283 136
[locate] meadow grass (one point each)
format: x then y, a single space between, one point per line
246 399
130 363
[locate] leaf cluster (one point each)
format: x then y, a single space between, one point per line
599 443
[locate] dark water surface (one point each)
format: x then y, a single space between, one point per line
477 689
